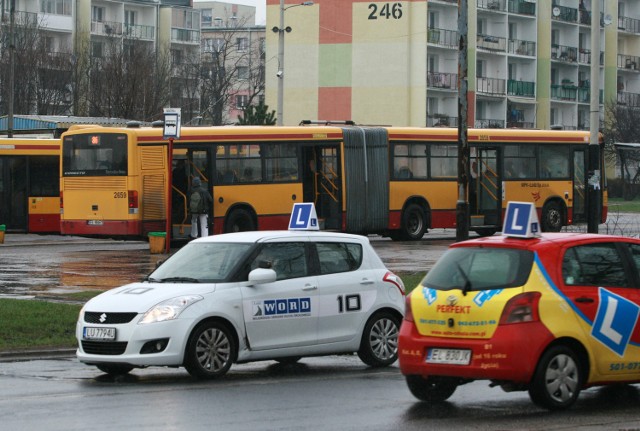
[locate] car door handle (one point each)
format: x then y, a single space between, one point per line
584 300
309 287
367 281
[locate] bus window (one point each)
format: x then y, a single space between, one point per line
43 176
554 161
280 162
238 164
409 161
519 161
97 154
444 161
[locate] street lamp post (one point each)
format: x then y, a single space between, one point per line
280 74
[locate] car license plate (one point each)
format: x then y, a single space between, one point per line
92 333
94 222
449 356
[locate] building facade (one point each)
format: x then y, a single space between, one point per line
396 63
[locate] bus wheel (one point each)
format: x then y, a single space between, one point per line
239 220
414 222
551 217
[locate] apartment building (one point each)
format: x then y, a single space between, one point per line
233 58
529 61
80 31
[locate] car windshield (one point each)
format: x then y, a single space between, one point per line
480 268
201 263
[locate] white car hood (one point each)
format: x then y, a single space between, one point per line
140 297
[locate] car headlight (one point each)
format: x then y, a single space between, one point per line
169 309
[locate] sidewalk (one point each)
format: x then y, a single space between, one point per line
32 239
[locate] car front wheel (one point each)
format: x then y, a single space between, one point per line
557 381
210 351
379 346
433 389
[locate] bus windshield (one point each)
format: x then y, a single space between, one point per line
98 154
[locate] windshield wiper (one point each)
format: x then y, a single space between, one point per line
467 283
178 280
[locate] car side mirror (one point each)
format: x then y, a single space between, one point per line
262 275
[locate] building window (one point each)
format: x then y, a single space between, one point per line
96 49
242 44
97 14
241 101
243 72
176 56
56 7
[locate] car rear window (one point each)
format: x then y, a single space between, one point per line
480 268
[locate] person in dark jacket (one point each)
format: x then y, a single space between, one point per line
200 201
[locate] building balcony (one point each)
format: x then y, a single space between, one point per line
567 14
495 5
441 120
520 124
521 88
491 86
564 92
631 100
185 35
491 43
489 124
629 62
521 47
106 28
443 37
145 32
631 25
446 81
568 54
522 7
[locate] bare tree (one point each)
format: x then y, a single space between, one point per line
623 125
232 63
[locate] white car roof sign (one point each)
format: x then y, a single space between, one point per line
521 220
304 217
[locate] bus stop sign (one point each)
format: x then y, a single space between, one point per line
304 217
521 220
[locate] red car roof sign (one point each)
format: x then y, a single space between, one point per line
521 220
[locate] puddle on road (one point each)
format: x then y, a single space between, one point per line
67 272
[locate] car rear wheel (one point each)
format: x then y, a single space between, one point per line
433 389
114 370
557 381
210 351
379 345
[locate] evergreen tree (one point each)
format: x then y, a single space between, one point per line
257 115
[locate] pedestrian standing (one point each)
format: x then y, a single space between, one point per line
199 202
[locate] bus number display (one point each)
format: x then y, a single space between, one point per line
119 195
387 10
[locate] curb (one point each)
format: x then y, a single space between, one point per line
33 355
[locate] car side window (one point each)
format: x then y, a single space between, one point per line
594 265
337 257
635 255
287 259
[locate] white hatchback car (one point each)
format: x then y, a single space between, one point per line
248 296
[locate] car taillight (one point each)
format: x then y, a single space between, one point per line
390 277
521 308
133 198
408 313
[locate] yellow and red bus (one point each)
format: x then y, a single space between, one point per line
29 184
393 181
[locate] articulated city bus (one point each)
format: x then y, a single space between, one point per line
392 181
29 184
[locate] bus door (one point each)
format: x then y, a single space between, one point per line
579 181
322 184
489 199
13 192
195 164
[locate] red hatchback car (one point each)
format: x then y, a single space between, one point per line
551 315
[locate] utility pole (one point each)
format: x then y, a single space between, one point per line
593 166
462 206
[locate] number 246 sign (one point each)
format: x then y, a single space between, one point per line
385 10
